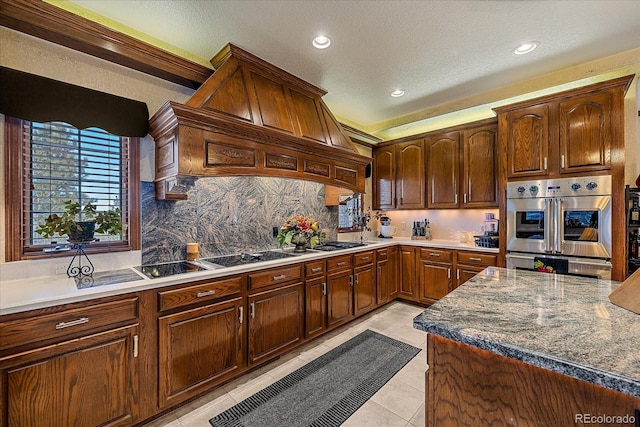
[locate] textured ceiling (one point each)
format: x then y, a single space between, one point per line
437 51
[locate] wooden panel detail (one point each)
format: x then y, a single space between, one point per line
336 134
308 117
272 102
410 175
280 161
315 167
467 386
528 141
314 268
166 154
443 170
275 276
480 171
199 292
476 258
219 154
362 258
67 323
346 175
340 262
384 176
436 255
231 97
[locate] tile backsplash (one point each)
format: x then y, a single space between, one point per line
226 215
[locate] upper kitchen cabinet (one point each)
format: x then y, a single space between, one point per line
569 133
462 166
252 118
399 175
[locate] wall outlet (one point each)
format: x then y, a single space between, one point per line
61 268
275 231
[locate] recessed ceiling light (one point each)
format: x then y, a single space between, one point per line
525 48
321 42
397 93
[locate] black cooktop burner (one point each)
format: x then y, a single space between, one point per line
233 260
154 271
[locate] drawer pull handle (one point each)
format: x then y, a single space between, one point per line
240 314
279 277
205 294
79 321
340 264
434 254
474 259
364 258
252 306
324 288
315 270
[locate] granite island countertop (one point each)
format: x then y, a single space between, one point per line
561 323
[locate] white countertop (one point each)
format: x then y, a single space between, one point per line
32 293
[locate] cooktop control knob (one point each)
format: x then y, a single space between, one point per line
576 186
592 186
520 190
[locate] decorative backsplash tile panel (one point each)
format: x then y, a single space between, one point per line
227 215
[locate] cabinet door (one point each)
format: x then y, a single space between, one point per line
407 273
466 272
316 306
199 348
88 381
480 167
586 133
384 178
435 281
339 298
364 292
392 283
528 142
410 188
384 281
443 170
276 322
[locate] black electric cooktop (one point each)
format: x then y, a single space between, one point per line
336 246
154 271
233 260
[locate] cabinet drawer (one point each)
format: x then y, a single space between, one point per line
436 255
68 322
314 268
362 258
382 254
476 258
275 276
201 291
339 263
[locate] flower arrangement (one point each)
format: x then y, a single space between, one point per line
300 230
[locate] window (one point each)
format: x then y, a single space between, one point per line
55 162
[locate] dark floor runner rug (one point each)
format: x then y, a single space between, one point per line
326 391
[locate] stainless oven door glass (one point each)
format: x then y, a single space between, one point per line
582 226
526 219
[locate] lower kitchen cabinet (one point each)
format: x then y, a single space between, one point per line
339 290
276 321
468 264
407 273
364 283
199 348
89 381
315 298
435 274
386 277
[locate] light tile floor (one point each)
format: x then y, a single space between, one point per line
399 403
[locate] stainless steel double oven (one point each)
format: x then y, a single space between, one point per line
561 224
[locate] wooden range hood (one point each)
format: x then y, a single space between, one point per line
252 118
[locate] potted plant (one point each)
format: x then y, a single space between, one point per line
69 223
300 230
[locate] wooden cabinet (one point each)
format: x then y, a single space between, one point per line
386 277
384 177
364 282
564 134
339 290
276 321
436 279
199 348
407 273
315 298
468 264
83 371
462 167
399 175
443 170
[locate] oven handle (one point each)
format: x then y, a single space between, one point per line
559 237
550 221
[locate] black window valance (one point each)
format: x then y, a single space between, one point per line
40 99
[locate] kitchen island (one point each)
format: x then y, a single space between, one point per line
514 347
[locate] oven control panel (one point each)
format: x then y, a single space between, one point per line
581 186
